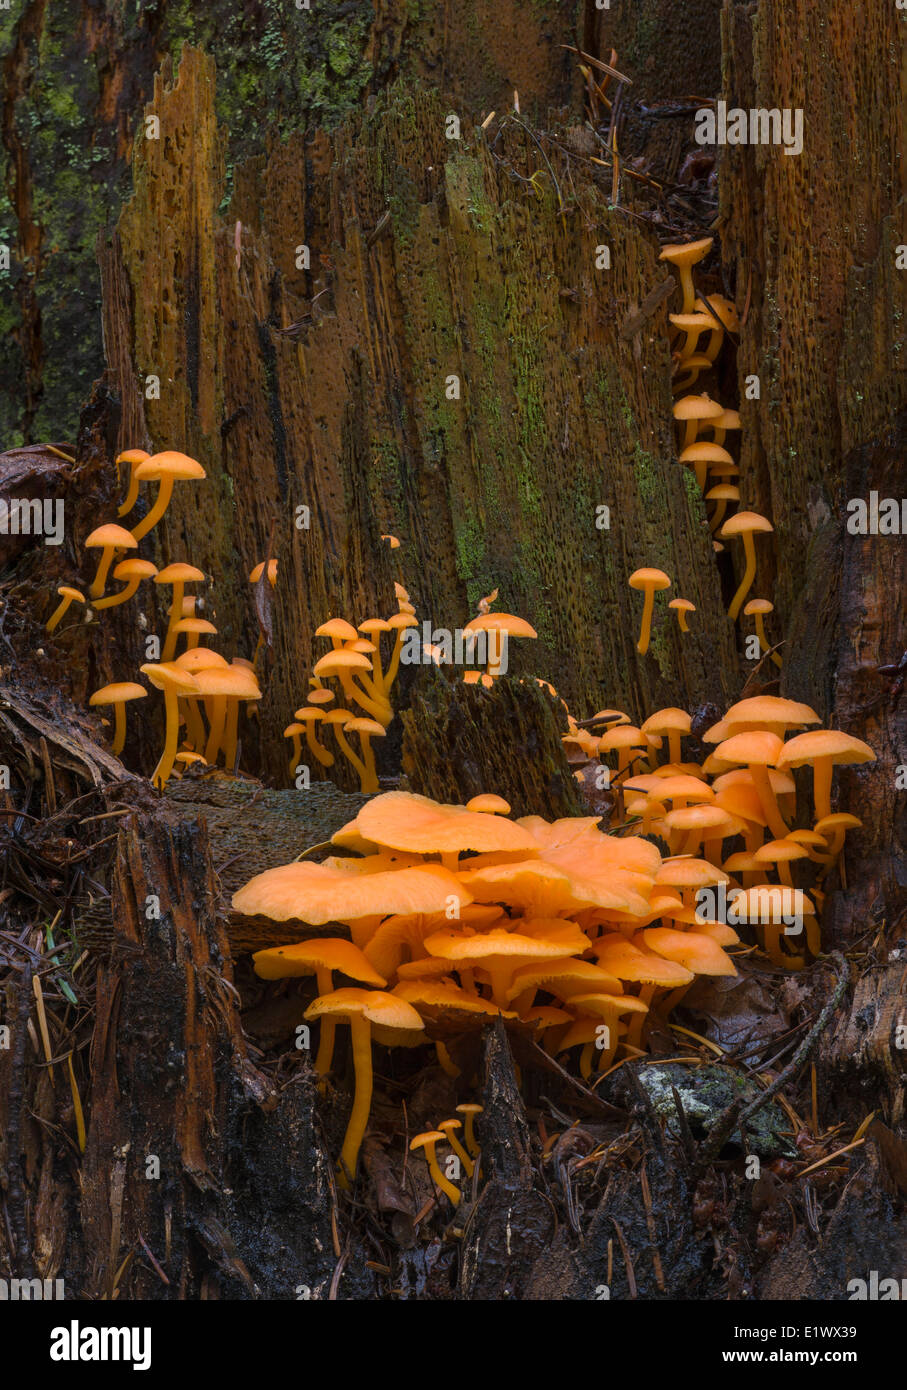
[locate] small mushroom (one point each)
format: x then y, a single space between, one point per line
745 525
360 1008
683 258
447 1128
133 571
824 749
174 681
471 1111
133 457
68 595
165 469
758 608
649 581
117 695
108 539
682 606
427 1142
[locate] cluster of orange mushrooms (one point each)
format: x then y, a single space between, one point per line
731 818
699 332
459 913
355 662
202 690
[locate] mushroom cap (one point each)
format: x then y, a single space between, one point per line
608 1005
169 464
391 540
179 573
343 660
670 720
689 873
372 1004
118 693
470 1108
320 893
813 837
337 627
621 736
779 852
111 534
307 715
292 729
400 592
838 820
167 675
491 804
321 696
649 579
400 620
682 603
694 951
688 253
430 1136
697 408
704 451
745 523
67 591
373 625
259 570
726 312
236 682
200 659
498 944
199 625
448 997
682 786
758 605
625 960
305 957
368 727
501 622
563 976
762 710
824 743
132 456
403 820
361 645
134 568
723 492
338 716
755 746
702 817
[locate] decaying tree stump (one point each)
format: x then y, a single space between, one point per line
460 740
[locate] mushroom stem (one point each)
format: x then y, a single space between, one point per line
763 640
119 728
231 735
176 613
113 600
749 574
763 784
355 1131
56 616
161 502
132 493
445 1184
294 763
216 730
100 579
324 756
346 747
370 776
195 729
462 1155
642 646
822 771
164 768
328 1025
445 1061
